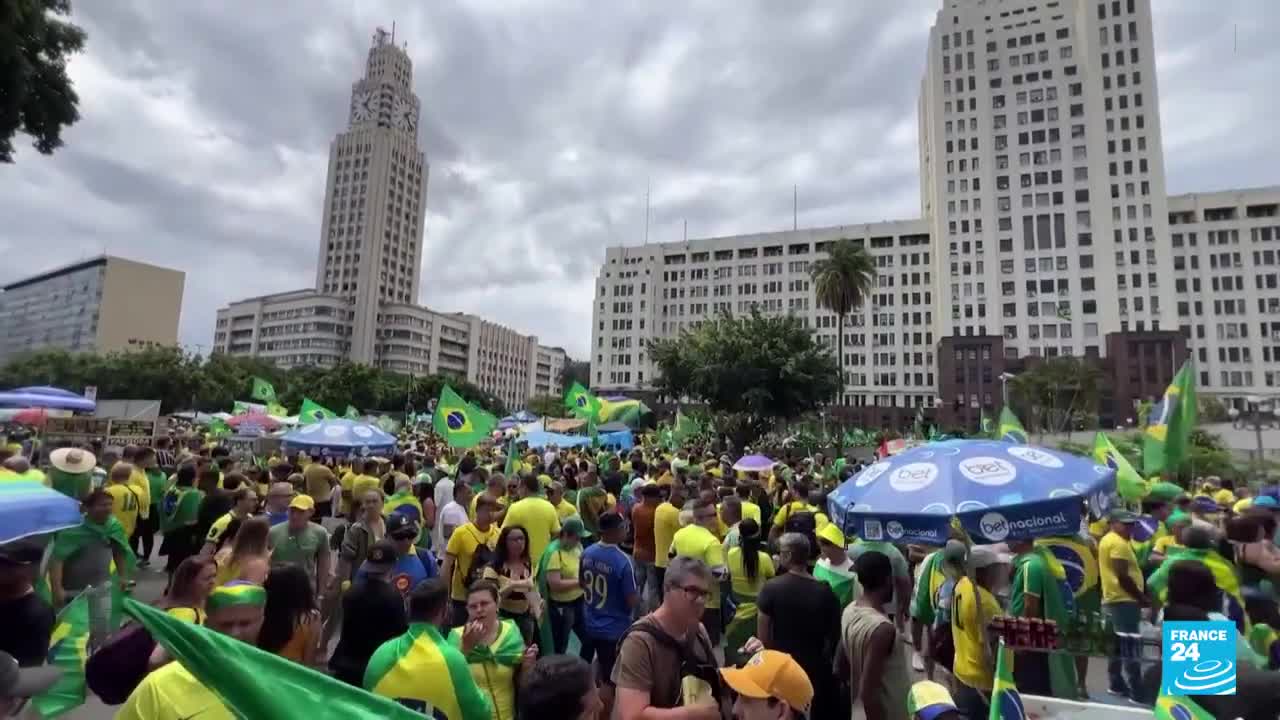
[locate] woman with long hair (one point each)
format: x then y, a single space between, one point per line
749 568
291 626
495 651
193 580
249 556
512 571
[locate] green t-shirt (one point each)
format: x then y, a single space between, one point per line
180 506
302 548
156 481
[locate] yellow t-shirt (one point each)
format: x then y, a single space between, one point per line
362 484
195 616
218 528
698 542
172 693
1162 544
540 521
786 511
971 667
138 481
345 481
1113 547
666 521
124 505
566 509
567 562
462 546
742 585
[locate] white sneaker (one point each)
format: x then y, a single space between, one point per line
917 662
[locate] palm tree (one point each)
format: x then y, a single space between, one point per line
841 283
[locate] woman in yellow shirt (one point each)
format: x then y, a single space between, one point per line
193 580
495 652
249 557
559 576
749 568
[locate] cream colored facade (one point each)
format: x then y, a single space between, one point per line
106 304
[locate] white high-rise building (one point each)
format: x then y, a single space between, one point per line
1043 174
1046 232
375 197
363 307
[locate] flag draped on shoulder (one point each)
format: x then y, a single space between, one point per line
1224 575
1130 484
68 651
1078 561
1165 441
1010 429
263 390
312 412
459 422
408 670
1006 703
180 506
253 683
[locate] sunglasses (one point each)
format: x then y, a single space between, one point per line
695 592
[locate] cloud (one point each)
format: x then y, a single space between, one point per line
205 133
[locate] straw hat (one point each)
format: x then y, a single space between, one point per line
72 460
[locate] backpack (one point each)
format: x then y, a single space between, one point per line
804 522
708 672
482 558
114 670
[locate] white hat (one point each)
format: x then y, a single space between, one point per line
72 460
980 557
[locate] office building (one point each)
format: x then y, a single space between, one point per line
368 271
1046 231
106 304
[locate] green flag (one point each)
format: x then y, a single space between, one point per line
253 683
351 413
1129 483
68 651
219 427
581 402
1170 707
277 410
179 507
1006 703
460 423
510 468
1169 424
1011 429
313 412
685 428
263 390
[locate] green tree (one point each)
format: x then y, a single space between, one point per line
753 369
1212 410
841 283
547 406
36 94
574 371
1058 392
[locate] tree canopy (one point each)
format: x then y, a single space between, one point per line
1058 395
36 95
759 365
182 381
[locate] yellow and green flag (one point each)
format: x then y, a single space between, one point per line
1006 703
423 672
68 651
313 412
1224 573
1011 429
1170 707
277 410
581 402
1165 441
263 390
460 423
1129 483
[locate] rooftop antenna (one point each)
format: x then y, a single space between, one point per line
647 187
393 32
686 231
795 207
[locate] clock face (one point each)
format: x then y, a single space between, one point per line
402 116
361 106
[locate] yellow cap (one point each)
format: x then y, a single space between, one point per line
772 674
831 534
928 699
1225 498
303 502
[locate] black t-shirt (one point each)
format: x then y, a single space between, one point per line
804 620
25 626
372 613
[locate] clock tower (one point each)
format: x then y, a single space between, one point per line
375 197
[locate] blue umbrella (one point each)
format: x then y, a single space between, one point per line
46 397
999 491
339 437
29 508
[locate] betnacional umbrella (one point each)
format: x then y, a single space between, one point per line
998 490
29 508
339 437
753 463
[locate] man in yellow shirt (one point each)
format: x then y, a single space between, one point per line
666 521
125 503
536 515
564 508
461 551
172 692
1123 595
973 607
698 540
244 501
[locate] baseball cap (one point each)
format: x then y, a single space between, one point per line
302 502
399 524
927 700
832 534
772 674
955 551
1121 515
24 682
574 526
981 556
610 521
382 557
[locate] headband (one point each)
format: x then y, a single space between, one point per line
236 593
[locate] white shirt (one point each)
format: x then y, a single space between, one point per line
443 495
454 516
548 457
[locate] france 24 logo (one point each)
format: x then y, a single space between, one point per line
1198 658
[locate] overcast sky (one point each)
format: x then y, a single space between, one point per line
204 134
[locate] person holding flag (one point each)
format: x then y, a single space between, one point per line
1039 589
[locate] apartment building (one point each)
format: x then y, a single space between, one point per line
1046 231
104 304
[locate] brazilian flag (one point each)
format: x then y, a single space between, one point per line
313 412
460 423
1169 707
1011 429
581 402
1224 573
263 390
1006 703
68 651
1129 483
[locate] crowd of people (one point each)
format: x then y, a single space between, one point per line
597 583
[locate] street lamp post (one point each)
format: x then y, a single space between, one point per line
1005 377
